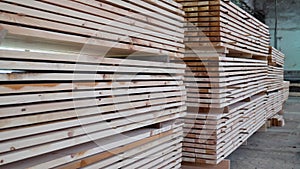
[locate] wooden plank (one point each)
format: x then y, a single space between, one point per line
80 77
82 58
76 94
75 86
21 65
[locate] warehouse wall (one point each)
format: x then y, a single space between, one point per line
250 3
288 28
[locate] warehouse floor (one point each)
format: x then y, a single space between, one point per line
278 148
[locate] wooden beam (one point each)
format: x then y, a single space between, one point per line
225 164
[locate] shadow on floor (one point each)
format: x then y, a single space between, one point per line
278 148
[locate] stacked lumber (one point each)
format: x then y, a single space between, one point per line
275 78
57 102
225 26
226 105
153 148
277 87
116 26
275 58
275 69
69 99
217 82
211 137
226 79
275 101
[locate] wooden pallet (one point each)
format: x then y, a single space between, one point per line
113 28
221 23
277 121
225 164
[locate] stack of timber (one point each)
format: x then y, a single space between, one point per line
47 108
275 78
226 105
275 69
226 79
222 81
278 89
61 108
116 26
275 58
274 103
225 26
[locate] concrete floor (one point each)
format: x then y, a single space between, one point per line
278 148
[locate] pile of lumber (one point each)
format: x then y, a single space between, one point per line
57 104
278 89
275 69
225 26
67 107
275 78
217 82
211 137
275 58
226 105
125 26
226 79
274 103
